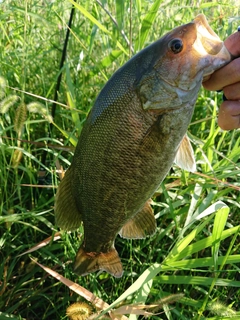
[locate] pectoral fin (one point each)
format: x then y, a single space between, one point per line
141 225
185 156
87 262
67 215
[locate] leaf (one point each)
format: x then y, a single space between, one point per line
190 264
204 243
67 135
42 244
89 296
196 280
108 60
120 6
147 23
96 22
70 92
218 227
90 17
195 197
183 245
134 310
147 275
30 156
7 316
142 295
198 215
143 309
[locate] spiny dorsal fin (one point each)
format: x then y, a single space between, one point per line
87 262
185 156
141 225
67 215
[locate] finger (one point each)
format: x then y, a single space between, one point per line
229 115
224 76
232 92
232 43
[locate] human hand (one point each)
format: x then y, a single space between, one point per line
228 80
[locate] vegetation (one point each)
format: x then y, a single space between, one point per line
190 268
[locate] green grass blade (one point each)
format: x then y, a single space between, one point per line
201 213
67 135
147 276
96 22
183 244
120 11
190 264
194 201
90 17
197 280
202 244
147 24
70 92
218 227
6 316
141 296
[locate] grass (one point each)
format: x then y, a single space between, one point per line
190 268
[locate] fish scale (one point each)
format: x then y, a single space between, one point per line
133 133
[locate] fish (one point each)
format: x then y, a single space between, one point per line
134 132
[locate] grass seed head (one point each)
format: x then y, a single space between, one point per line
79 311
220 309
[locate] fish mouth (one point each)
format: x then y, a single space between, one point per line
209 39
208 44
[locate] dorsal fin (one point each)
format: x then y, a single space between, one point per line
67 215
185 156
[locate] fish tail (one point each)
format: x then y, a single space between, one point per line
87 262
67 215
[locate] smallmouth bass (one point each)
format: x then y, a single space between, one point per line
132 135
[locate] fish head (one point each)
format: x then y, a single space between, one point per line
183 58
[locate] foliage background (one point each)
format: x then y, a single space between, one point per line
32 37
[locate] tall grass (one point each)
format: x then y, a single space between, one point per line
190 268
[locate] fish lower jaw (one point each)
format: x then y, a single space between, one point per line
216 66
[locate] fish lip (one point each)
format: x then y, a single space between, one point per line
207 40
207 36
201 20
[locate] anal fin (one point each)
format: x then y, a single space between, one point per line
87 262
67 215
141 225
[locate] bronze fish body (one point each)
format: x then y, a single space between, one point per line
130 140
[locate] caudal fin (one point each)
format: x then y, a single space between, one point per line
87 262
67 215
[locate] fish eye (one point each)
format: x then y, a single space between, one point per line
175 45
